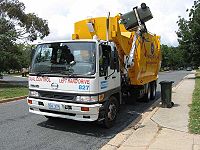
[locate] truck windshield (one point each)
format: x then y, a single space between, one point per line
68 58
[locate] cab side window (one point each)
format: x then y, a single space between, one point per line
114 62
104 60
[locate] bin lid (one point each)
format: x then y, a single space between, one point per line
166 82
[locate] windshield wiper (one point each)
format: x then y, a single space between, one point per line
68 73
38 73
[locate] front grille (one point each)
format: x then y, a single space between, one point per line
57 112
57 96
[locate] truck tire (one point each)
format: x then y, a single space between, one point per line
153 91
111 111
147 95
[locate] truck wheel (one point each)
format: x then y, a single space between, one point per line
111 112
153 91
147 95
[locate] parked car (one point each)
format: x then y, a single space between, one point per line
189 69
1 76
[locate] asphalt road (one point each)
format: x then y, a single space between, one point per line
21 130
9 79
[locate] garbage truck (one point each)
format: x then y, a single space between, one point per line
86 78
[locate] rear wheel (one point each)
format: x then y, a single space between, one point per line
111 112
153 91
147 95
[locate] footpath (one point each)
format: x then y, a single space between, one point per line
161 128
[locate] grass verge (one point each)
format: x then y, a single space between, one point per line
194 124
11 91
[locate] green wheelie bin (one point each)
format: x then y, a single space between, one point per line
166 93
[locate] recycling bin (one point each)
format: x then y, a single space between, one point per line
130 20
166 93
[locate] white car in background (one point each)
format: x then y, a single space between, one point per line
1 76
189 69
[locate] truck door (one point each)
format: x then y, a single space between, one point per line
114 66
107 74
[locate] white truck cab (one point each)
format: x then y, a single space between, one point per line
86 88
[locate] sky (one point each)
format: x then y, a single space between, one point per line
62 14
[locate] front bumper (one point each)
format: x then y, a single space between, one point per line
64 110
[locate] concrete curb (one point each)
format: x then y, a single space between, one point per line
121 137
12 99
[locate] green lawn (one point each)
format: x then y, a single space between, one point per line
194 124
10 91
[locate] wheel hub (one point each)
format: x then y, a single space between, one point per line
112 112
149 93
154 91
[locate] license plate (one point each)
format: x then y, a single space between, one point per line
54 106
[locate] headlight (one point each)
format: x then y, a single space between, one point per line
34 93
87 98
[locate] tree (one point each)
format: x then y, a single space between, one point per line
188 35
15 26
172 57
25 55
27 26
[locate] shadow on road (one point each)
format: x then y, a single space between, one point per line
127 114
